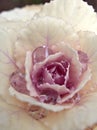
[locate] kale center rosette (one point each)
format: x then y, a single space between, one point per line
55 76
49 75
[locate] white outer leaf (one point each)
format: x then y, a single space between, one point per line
15 118
76 12
21 14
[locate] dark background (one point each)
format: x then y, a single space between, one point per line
9 4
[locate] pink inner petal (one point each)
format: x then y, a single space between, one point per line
84 59
58 72
40 53
51 95
47 77
18 82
